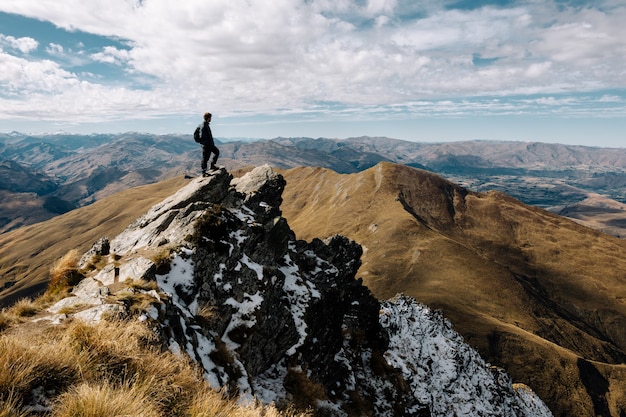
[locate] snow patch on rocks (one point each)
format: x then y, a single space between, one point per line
446 373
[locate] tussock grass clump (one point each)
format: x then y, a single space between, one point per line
6 320
162 261
25 307
137 297
105 400
115 348
142 284
97 262
208 315
212 224
136 301
207 403
18 312
26 364
65 274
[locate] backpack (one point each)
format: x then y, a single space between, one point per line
197 134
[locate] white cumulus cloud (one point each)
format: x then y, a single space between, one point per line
55 49
24 44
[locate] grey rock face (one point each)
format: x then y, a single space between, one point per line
100 248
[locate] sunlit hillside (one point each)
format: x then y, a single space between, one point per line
533 291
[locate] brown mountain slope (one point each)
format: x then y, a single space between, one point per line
534 292
28 253
599 212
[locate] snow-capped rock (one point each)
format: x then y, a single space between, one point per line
446 373
283 320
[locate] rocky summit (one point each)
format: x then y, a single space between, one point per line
271 317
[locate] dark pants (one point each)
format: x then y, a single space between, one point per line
206 154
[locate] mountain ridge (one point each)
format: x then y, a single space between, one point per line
27 253
531 291
506 274
283 320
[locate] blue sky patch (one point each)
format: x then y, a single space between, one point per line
477 4
479 61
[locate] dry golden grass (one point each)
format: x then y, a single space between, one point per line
26 254
600 213
65 273
6 319
105 400
112 368
21 208
135 297
208 316
97 262
137 302
208 404
162 261
11 407
25 308
142 284
21 311
27 362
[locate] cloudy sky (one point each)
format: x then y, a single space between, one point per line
428 70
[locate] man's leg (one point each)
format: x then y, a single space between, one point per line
206 154
216 154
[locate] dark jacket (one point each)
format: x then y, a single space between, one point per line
207 136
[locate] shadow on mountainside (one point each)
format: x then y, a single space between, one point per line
551 290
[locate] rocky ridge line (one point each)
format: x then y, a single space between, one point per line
283 320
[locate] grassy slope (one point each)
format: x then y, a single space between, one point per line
600 213
115 367
28 253
534 292
461 253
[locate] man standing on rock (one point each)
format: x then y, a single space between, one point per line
208 146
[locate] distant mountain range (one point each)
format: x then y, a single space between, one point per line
43 176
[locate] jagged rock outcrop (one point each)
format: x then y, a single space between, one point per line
283 320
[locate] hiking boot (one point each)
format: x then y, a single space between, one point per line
214 167
204 173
